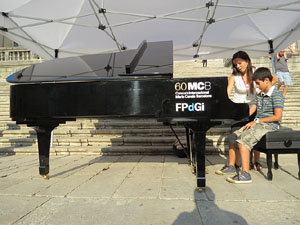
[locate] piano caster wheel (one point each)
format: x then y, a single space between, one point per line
200 189
46 176
193 170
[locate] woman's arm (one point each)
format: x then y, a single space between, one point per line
230 85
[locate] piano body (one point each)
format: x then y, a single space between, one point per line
133 83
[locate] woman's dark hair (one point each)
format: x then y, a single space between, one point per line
243 55
262 73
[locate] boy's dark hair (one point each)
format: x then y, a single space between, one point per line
262 73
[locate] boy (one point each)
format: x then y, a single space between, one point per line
269 106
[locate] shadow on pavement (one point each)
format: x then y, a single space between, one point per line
209 213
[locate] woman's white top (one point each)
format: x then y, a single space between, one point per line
242 91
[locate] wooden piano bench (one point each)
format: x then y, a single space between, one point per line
282 141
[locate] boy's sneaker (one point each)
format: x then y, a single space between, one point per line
241 178
226 170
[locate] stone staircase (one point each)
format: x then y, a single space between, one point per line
132 135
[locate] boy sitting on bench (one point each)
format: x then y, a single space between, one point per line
269 106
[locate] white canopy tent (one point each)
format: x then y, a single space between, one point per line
198 28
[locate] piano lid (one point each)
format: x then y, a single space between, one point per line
150 59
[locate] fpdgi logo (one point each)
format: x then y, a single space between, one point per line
198 106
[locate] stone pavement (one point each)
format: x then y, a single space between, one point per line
140 189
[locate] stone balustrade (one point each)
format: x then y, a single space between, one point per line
13 59
17 54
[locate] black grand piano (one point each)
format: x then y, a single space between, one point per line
133 83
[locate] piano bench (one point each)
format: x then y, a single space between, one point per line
282 141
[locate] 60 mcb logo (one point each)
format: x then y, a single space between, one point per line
193 86
198 106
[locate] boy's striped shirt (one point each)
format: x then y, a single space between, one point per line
267 102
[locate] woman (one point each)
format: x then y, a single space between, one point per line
241 79
244 92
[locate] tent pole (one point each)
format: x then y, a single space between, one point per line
272 53
56 53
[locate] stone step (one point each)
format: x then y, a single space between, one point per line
71 150
16 138
5 125
18 141
5 119
291 114
291 122
4 113
138 132
106 150
113 141
151 123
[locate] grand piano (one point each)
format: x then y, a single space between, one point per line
132 83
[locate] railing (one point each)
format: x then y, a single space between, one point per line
17 54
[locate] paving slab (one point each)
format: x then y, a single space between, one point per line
244 212
140 189
14 208
113 212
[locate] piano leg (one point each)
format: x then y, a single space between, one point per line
199 150
44 137
197 145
